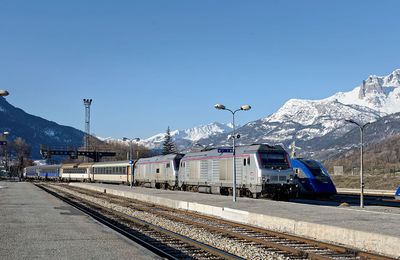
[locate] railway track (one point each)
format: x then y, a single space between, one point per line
279 244
162 242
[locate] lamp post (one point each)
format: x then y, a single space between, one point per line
361 158
4 93
130 155
244 108
6 150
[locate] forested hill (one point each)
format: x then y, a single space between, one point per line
380 157
36 130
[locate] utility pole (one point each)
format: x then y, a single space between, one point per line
361 126
244 108
130 158
87 103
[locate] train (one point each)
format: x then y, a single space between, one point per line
312 178
397 194
261 171
43 172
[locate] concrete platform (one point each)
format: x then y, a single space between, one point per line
374 229
36 225
367 192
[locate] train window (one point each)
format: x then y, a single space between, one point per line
248 161
244 162
314 168
168 165
274 160
157 170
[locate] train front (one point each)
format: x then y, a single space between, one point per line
397 194
312 177
276 173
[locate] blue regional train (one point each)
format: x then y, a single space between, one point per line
312 178
397 194
43 172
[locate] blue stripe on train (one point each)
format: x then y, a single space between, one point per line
49 174
397 194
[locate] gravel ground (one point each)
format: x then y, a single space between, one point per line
246 251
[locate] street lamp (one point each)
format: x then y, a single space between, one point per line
244 108
361 158
130 155
4 93
6 150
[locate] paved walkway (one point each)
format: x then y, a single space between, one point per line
34 224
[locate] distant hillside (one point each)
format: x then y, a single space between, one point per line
380 157
36 130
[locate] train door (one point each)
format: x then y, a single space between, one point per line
128 174
245 161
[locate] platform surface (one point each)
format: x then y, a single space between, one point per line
36 225
373 228
385 193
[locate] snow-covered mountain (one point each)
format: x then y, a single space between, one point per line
184 139
315 123
378 93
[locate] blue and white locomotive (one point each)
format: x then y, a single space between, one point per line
397 194
312 178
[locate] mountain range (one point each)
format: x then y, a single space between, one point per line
36 130
317 126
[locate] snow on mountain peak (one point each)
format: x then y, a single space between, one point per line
307 119
303 120
380 93
190 135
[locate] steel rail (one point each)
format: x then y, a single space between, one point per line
212 250
272 245
291 238
336 248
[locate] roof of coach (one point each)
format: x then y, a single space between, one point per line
76 165
32 167
49 166
86 164
113 163
68 165
244 149
160 158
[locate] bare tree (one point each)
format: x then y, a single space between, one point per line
22 151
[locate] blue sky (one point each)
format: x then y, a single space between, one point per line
152 64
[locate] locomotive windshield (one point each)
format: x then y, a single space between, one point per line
275 160
314 168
